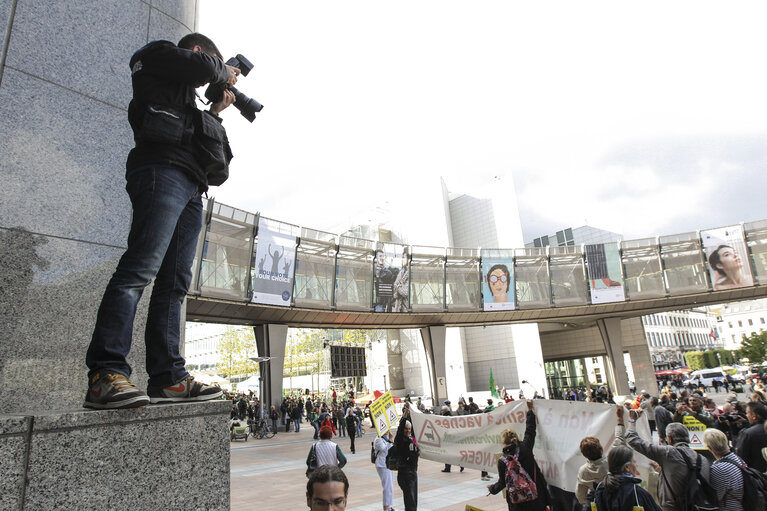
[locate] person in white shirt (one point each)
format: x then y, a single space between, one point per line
382 445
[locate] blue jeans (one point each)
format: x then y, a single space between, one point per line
167 216
298 425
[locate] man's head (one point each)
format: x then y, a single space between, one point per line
676 433
327 488
198 42
696 403
756 411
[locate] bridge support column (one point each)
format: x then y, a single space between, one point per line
612 337
434 345
270 342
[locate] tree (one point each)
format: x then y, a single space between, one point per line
695 360
235 348
754 348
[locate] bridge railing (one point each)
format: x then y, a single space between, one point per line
321 270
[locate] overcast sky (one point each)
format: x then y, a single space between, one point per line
642 118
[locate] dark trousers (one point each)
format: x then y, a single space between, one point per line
407 479
167 216
352 430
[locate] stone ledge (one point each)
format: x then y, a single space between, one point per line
148 458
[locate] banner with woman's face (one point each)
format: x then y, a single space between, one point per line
727 257
497 280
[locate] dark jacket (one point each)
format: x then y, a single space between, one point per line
164 79
750 443
406 449
623 498
527 461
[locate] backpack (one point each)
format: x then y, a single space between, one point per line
754 488
701 496
519 487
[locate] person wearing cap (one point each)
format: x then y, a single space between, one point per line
447 413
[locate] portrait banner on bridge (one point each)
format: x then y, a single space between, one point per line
275 266
474 441
727 257
605 275
391 276
497 280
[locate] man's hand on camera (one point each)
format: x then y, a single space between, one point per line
227 100
234 72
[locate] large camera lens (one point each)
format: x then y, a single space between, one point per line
247 106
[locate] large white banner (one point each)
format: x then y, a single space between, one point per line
275 266
474 441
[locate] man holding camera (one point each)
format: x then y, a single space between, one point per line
179 149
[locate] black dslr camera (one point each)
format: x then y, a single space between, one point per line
247 106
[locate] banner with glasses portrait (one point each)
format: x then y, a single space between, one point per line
391 276
275 267
605 275
727 257
497 280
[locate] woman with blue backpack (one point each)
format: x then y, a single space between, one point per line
518 473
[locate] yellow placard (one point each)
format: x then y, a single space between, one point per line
383 414
696 429
472 508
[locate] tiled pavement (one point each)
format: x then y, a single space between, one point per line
269 474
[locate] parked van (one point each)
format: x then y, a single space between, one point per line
706 376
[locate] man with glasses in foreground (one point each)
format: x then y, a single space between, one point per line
327 488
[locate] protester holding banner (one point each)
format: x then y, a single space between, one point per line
620 490
381 447
407 453
675 474
518 471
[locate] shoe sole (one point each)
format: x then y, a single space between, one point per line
206 397
135 402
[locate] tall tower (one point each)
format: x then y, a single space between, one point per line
488 217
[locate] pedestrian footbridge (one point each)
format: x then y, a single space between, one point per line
252 270
332 280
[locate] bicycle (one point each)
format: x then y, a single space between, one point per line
261 429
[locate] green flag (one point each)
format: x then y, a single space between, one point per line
493 392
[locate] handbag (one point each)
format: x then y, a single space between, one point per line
312 463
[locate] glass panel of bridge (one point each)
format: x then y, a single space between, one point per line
641 264
226 253
200 246
568 276
463 280
756 238
531 274
683 266
354 274
315 267
427 279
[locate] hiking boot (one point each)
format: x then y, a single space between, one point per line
185 390
113 390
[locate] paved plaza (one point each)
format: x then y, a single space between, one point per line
270 474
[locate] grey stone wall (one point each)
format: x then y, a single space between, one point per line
64 215
155 457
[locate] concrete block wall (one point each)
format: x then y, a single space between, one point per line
64 218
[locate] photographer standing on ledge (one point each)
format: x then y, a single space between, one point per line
179 151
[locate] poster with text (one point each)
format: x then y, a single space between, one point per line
727 257
605 275
275 266
497 280
391 276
